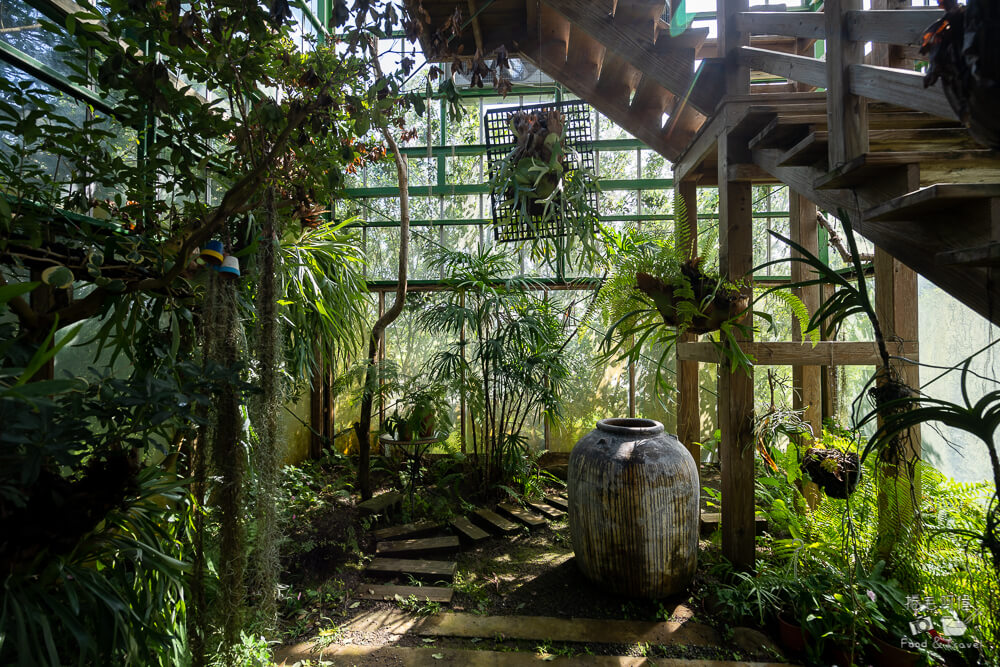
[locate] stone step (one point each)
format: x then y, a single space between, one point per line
407 530
381 504
415 568
557 501
549 511
529 519
417 546
468 530
366 591
420 656
494 521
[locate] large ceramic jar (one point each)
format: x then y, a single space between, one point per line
633 508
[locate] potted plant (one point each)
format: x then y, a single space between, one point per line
421 412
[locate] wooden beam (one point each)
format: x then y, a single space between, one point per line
671 68
808 25
890 26
807 389
899 87
787 65
847 110
795 353
477 31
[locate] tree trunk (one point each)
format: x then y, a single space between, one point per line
368 398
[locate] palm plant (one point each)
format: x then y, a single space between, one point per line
512 367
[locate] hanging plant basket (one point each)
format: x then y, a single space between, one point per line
834 471
538 156
701 304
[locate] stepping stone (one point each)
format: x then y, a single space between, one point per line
416 546
711 521
381 503
415 568
548 510
406 530
468 530
423 593
495 522
529 519
557 501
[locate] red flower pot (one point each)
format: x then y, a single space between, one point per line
792 636
887 655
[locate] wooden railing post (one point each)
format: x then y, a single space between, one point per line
688 409
847 113
736 451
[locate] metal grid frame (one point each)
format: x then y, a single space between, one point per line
500 141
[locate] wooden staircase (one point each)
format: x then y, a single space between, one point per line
913 182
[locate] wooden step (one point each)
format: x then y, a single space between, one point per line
417 546
548 510
468 530
380 504
557 501
529 519
865 168
807 152
389 592
784 129
495 522
985 255
414 567
406 530
711 521
943 197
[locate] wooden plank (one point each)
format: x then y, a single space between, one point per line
899 87
406 530
585 630
389 592
529 519
429 568
548 510
869 165
468 530
931 199
810 150
808 25
588 53
688 389
380 503
787 65
417 546
649 102
671 68
985 255
557 501
618 80
890 26
405 656
495 522
710 522
794 353
783 129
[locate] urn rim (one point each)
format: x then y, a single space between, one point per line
630 426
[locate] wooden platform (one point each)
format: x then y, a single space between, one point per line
406 530
415 568
388 592
529 519
468 530
494 522
417 546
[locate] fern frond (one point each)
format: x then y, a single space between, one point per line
800 312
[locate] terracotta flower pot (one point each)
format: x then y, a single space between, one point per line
793 638
888 655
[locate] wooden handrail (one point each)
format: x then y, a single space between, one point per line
890 26
808 25
796 68
901 87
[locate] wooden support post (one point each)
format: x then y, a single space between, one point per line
806 381
736 451
688 409
847 114
461 399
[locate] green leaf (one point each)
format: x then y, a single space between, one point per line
9 292
57 276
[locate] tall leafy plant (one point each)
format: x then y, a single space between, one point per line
512 368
